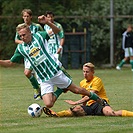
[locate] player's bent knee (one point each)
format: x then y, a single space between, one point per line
49 104
109 113
27 73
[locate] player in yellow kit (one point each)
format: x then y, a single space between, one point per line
85 106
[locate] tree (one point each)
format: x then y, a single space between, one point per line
96 12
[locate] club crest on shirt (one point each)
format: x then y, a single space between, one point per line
90 86
34 52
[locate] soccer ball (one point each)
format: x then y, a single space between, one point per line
35 110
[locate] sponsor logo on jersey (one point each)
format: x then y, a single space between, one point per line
34 52
39 60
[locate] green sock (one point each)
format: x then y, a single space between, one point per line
122 63
131 62
34 82
94 96
58 92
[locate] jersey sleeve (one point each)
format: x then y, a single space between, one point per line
40 27
61 33
17 57
44 34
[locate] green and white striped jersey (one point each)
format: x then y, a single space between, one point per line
34 27
45 65
54 41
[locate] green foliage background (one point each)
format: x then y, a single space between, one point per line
95 12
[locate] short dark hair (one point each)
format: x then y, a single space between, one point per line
49 12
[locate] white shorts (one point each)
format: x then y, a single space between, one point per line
128 52
60 80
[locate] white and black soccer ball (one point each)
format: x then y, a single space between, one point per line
35 110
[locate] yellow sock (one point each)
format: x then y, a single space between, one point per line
65 113
127 113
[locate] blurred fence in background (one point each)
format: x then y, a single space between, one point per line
76 49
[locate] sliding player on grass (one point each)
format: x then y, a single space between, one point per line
85 106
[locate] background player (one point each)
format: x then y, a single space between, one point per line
56 42
127 46
34 27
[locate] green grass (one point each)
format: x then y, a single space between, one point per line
16 95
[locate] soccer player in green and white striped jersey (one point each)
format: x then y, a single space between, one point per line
47 67
56 42
34 27
27 18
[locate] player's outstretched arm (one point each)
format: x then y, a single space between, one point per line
18 41
81 101
44 20
6 63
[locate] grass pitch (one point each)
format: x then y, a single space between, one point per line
16 94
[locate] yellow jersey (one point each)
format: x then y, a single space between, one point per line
96 85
